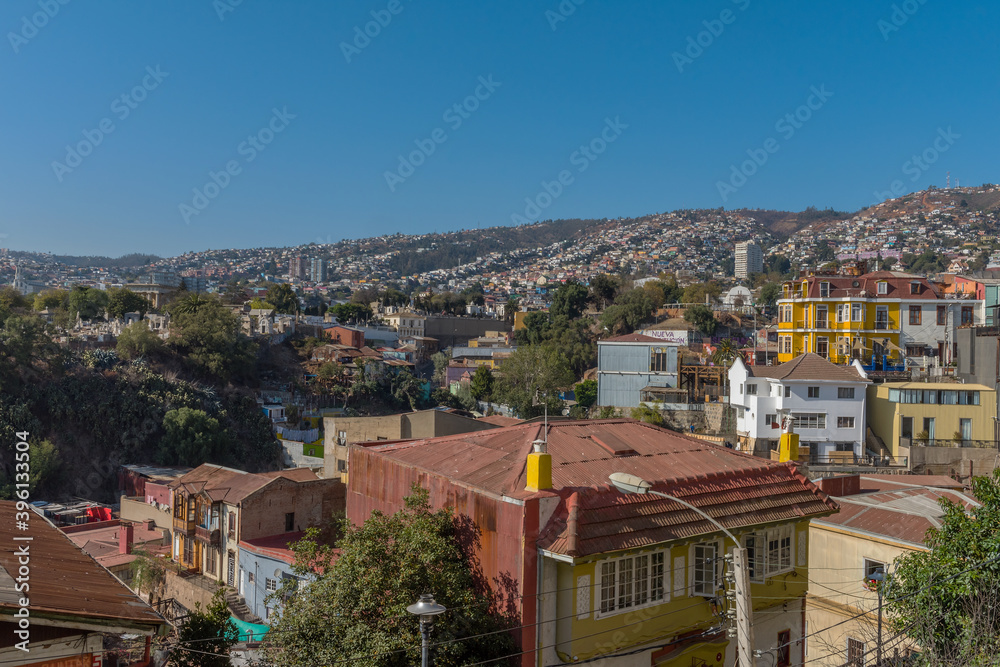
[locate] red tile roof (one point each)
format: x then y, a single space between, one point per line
101 542
737 489
807 366
845 286
64 580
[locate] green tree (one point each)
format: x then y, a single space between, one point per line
944 598
87 302
726 352
122 300
210 338
531 378
536 326
569 300
770 293
510 307
702 292
482 384
628 312
586 393
51 299
191 437
702 317
352 312
647 414
282 297
355 608
210 631
148 572
603 288
136 340
440 361
188 304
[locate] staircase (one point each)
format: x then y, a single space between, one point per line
239 608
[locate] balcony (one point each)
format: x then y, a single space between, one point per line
183 526
207 535
927 442
884 324
823 324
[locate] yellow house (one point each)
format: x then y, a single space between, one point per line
603 576
946 414
877 317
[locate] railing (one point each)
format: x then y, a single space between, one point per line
883 324
951 442
209 535
850 459
183 526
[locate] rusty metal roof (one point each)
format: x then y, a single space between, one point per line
736 489
633 338
229 485
903 514
274 546
65 581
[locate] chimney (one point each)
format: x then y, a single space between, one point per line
150 524
539 467
125 533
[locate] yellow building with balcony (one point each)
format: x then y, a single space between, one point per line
879 318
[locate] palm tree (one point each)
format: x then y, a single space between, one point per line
726 352
509 309
188 304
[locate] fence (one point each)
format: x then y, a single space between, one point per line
951 442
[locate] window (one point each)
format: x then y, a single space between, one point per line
824 289
785 344
210 560
809 420
843 312
289 522
232 524
658 360
914 314
821 317
942 315
250 577
813 392
755 546
341 465
883 287
770 419
914 287
188 554
855 652
845 422
769 552
270 584
705 566
784 653
751 389
856 312
873 566
788 392
966 315
845 392
633 581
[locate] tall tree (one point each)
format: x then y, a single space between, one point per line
355 608
210 338
569 300
209 632
122 300
282 297
702 317
532 377
482 384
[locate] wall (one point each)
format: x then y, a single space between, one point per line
313 502
459 330
623 371
962 462
262 567
134 510
188 591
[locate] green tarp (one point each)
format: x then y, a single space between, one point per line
249 632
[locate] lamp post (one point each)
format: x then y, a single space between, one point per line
627 483
878 578
426 608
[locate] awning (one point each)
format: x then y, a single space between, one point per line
859 344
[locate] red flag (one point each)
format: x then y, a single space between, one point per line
775 425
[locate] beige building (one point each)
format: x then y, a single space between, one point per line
340 432
932 414
881 518
406 323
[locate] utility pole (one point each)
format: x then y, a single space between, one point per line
744 608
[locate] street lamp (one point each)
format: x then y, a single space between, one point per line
426 608
878 577
627 483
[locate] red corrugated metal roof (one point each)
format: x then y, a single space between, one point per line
275 546
230 485
632 338
63 579
736 489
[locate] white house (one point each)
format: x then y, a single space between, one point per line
826 402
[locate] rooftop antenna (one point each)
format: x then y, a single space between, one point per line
948 181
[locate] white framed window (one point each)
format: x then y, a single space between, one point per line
705 569
751 389
872 566
631 582
883 287
843 312
769 552
845 392
754 543
824 289
813 392
845 422
770 419
270 584
788 391
856 315
809 419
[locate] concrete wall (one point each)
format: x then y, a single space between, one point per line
189 591
313 503
134 510
459 330
961 462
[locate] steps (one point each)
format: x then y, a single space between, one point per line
239 608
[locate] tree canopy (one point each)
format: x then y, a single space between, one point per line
355 609
532 377
702 317
210 338
122 300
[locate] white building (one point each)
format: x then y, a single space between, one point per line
749 259
826 402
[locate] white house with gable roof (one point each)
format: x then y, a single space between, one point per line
826 402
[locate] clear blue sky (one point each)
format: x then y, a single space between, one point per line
323 176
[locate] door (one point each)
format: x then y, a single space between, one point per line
929 427
823 346
231 570
881 317
965 427
906 427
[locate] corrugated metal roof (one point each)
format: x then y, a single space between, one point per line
737 489
65 580
229 485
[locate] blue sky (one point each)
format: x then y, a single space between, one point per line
596 109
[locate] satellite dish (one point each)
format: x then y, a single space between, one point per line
277 573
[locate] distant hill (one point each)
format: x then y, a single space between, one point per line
786 223
124 262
